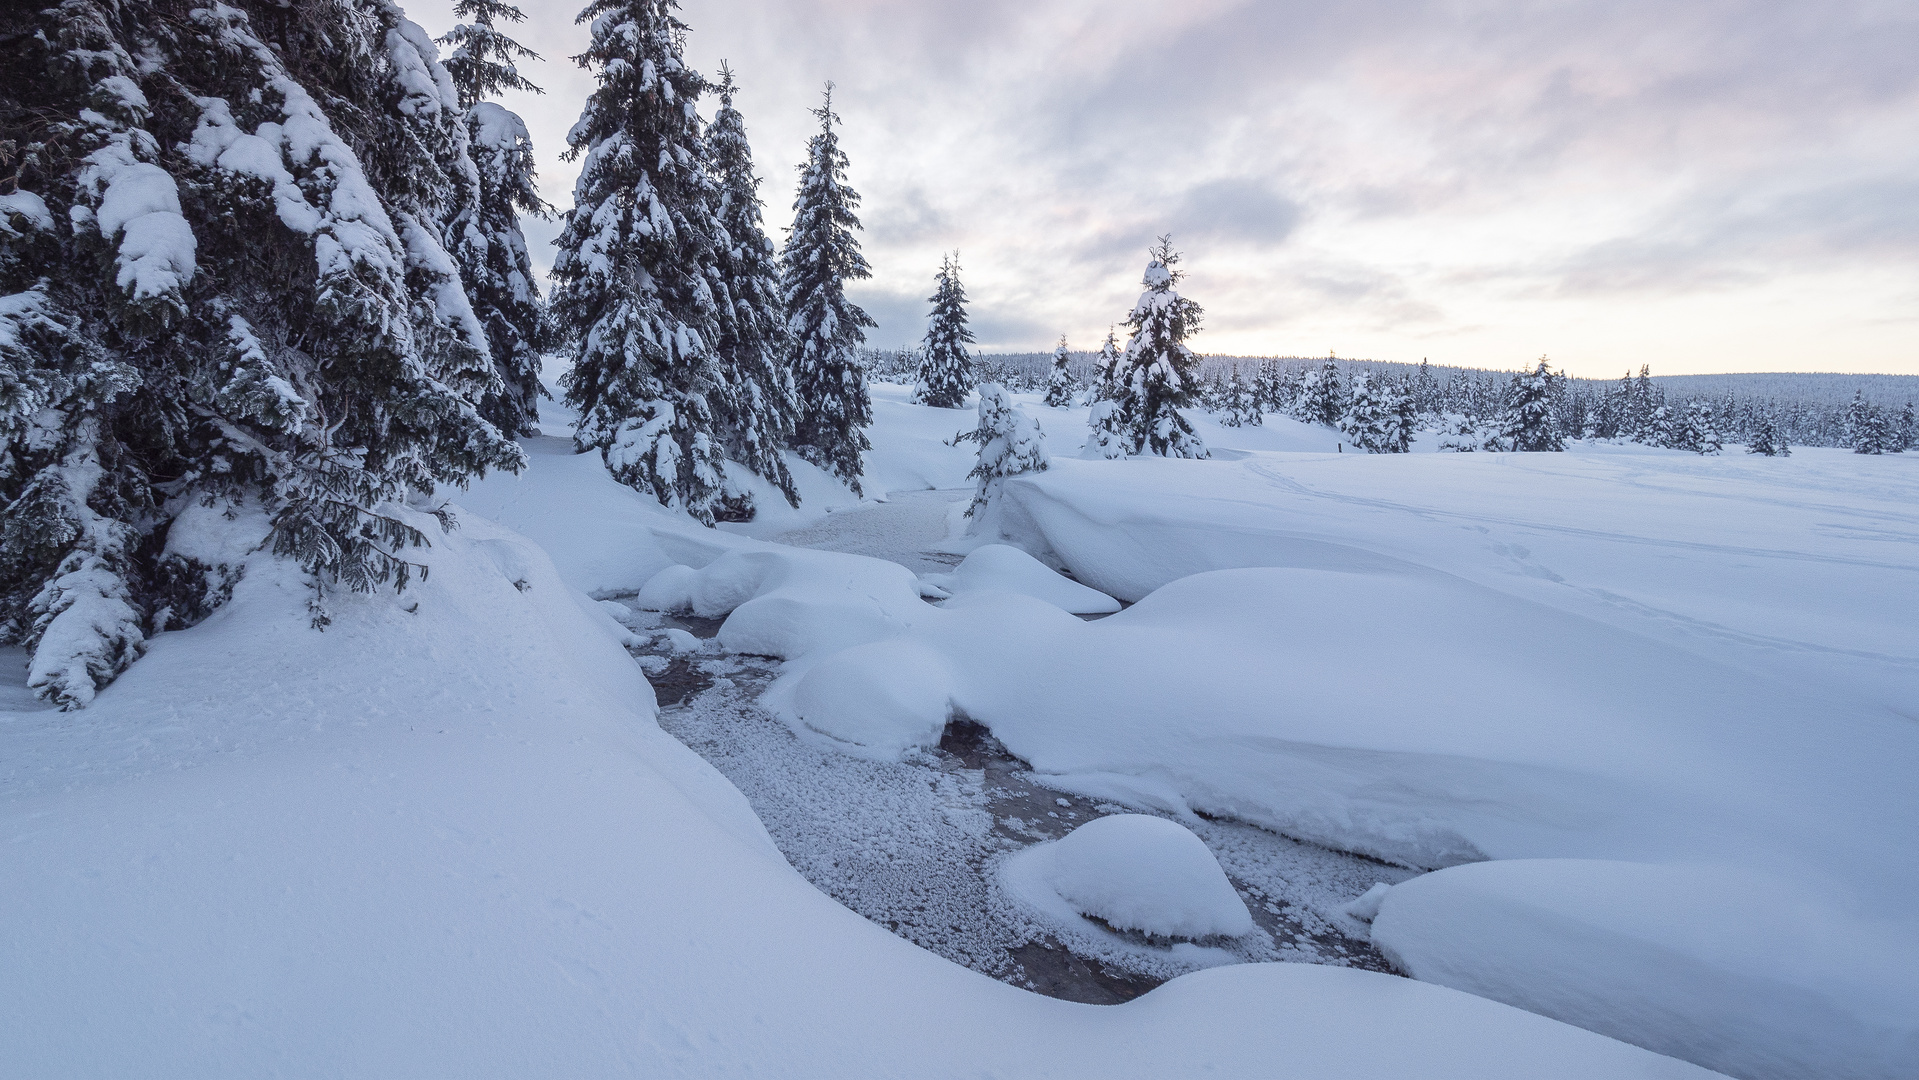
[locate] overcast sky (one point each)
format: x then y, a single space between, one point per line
1702 186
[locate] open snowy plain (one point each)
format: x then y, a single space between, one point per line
1631 733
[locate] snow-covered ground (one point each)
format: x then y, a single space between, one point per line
1649 719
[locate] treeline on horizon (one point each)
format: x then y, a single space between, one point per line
1807 408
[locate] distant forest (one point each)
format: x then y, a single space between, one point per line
1810 408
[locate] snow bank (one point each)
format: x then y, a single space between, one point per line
446 838
1008 569
1141 873
1740 972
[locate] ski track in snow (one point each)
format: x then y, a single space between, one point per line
915 845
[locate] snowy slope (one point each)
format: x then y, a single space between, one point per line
446 838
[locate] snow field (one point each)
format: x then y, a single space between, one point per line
409 847
1607 656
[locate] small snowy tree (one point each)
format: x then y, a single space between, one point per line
1465 435
1527 423
637 261
1699 433
1369 420
1059 382
485 234
825 330
1106 369
1766 438
1156 372
1238 404
1010 443
1272 387
946 371
1320 399
755 406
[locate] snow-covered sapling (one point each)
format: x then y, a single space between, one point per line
1766 438
1010 443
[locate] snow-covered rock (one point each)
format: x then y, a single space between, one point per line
1143 873
1008 569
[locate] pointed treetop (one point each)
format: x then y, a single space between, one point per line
482 61
1162 271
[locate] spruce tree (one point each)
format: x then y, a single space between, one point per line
755 406
1010 443
247 305
1239 405
637 260
1106 369
1272 388
1650 422
1156 372
946 371
824 329
1698 432
481 62
1320 399
1766 438
1370 420
1059 383
485 235
1527 423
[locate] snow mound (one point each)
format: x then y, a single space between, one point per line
840 700
1008 569
1739 972
1142 873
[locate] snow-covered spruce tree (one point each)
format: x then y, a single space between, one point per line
209 298
1866 430
1320 399
1647 418
1369 420
824 329
484 234
1059 382
1156 371
1402 420
755 407
634 273
1766 438
1698 432
1238 404
1905 430
946 371
1010 443
1527 423
1272 387
1106 369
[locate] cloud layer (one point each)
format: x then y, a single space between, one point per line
1703 186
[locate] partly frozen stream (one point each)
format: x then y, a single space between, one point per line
915 845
